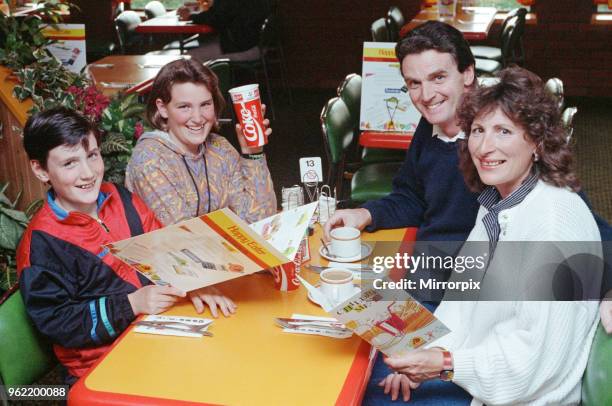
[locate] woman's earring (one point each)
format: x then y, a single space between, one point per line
536 157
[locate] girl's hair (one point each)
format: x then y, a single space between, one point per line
54 127
521 96
177 72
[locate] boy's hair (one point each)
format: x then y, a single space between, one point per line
437 36
54 127
178 72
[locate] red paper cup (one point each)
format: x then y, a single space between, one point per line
285 277
247 106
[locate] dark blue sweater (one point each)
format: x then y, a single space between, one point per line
428 192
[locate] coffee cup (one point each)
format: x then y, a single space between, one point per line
337 284
247 106
345 242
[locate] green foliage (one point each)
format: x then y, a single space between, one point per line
12 225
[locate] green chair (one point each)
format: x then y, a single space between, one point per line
511 48
25 356
350 92
495 53
223 69
370 181
379 31
395 21
597 377
555 87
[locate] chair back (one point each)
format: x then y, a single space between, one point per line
125 26
268 35
519 11
512 39
395 21
379 31
567 118
555 87
350 93
119 8
338 134
598 373
154 9
223 69
25 356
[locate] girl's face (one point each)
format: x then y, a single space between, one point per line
500 150
190 115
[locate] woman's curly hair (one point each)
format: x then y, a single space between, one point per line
521 96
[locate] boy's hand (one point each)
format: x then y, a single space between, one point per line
213 298
153 299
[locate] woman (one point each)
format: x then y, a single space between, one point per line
512 352
184 169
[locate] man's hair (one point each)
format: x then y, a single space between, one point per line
178 72
437 36
54 127
521 96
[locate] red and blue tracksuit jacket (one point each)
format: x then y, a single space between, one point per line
74 290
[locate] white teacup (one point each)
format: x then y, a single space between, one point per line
345 242
337 284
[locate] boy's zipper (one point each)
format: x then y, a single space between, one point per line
103 225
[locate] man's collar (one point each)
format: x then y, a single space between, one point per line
437 132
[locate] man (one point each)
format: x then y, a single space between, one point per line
429 191
237 24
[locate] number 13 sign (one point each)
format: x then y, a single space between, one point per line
311 170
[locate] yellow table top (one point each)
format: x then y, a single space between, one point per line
248 361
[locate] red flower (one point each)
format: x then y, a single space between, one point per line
138 130
89 101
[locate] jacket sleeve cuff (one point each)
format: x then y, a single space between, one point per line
464 366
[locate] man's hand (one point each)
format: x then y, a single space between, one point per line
183 13
393 383
153 299
213 298
605 310
418 365
243 146
358 218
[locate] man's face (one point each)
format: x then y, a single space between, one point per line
436 86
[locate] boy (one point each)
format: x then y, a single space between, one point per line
77 294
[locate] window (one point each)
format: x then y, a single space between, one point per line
169 4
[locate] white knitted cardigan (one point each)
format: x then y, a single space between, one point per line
531 353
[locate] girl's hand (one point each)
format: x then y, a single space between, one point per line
243 146
153 299
394 383
213 298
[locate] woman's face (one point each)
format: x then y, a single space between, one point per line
190 114
500 150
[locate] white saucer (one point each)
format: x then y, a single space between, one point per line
366 250
357 289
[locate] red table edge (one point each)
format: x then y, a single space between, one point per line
388 140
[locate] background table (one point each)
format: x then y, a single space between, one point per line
387 140
248 361
473 22
170 24
121 72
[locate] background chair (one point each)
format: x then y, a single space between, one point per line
370 181
394 21
379 31
567 118
270 53
555 87
154 9
125 28
495 53
511 35
25 356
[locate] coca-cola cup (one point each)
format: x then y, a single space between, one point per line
247 106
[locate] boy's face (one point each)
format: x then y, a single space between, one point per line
436 86
75 175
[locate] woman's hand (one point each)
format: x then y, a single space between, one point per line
153 299
213 298
418 365
243 146
393 383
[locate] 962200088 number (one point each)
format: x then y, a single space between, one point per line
34 392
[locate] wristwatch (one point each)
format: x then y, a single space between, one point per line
447 372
